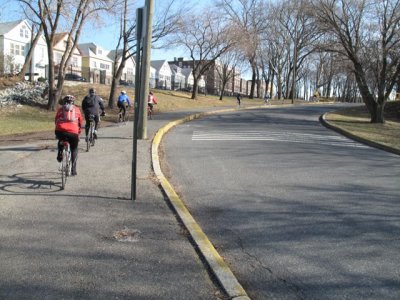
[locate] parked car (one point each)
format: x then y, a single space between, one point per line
125 82
73 77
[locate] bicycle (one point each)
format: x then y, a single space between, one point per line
149 112
90 138
66 162
121 117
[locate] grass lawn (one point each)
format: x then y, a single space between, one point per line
356 120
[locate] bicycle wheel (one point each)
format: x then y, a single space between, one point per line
64 170
89 137
149 113
92 137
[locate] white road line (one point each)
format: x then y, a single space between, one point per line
294 137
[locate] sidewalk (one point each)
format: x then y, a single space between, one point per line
91 241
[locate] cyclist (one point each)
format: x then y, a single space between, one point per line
91 105
68 122
123 103
151 100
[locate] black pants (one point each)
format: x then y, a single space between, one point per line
122 107
87 119
73 140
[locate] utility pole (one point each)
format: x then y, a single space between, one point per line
139 42
145 72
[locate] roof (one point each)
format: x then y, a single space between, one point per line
157 64
59 37
8 26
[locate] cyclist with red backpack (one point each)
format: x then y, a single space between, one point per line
68 122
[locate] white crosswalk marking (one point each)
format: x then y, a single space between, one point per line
278 136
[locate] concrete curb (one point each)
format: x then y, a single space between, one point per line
357 138
220 269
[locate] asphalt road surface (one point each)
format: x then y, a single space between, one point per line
297 210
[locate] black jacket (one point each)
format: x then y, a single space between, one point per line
92 104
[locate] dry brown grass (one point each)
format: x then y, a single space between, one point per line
356 120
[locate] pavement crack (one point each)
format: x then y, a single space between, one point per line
294 287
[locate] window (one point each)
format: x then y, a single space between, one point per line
16 49
23 32
129 71
12 48
94 64
58 58
23 50
74 61
104 66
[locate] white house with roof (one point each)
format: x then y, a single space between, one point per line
152 79
163 74
15 42
177 78
128 73
96 64
59 46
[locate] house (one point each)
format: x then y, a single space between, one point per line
15 42
163 74
188 75
75 63
177 78
96 64
152 77
128 73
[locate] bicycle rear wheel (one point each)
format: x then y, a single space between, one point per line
64 169
89 138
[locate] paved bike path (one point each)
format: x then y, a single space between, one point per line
91 241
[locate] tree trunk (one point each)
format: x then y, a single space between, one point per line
375 108
52 95
195 88
253 82
114 84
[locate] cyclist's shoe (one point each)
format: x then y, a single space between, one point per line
95 134
74 173
59 156
86 138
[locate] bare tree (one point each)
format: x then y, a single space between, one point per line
165 23
249 20
52 15
227 67
206 37
367 34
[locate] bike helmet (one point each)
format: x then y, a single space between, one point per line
123 92
68 102
69 99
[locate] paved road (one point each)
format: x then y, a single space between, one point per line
90 241
298 211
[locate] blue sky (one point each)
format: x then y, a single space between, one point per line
106 34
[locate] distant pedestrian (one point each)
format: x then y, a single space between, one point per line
238 99
266 98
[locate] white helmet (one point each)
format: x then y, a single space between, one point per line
123 92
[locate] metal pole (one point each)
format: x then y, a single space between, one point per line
144 89
139 36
